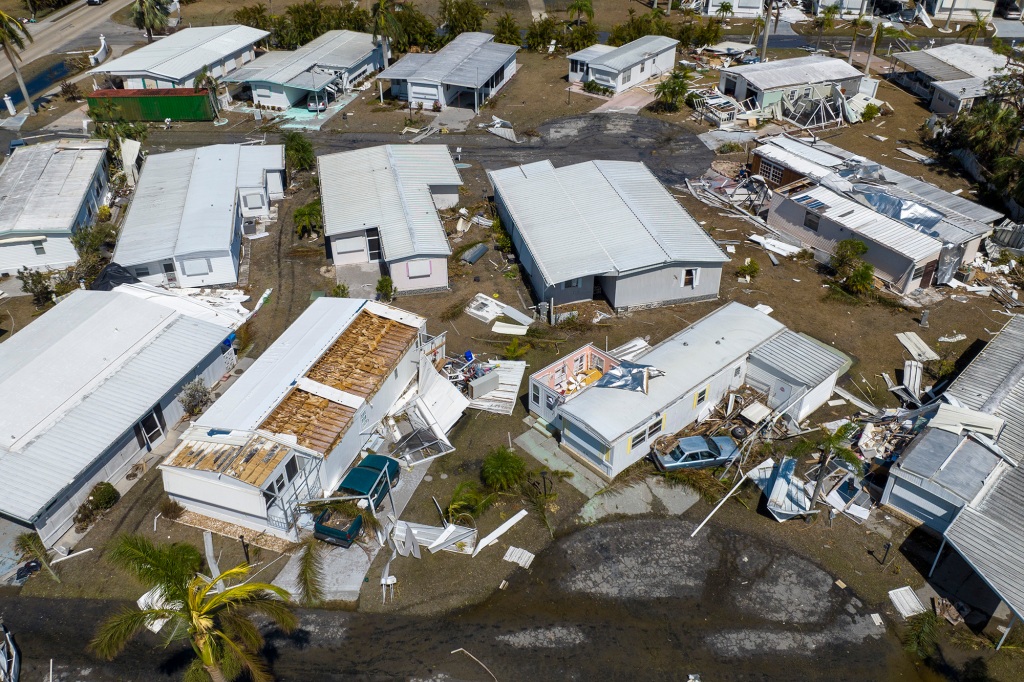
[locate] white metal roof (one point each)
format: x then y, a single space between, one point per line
688 358
77 379
248 402
990 533
954 61
388 187
588 53
619 217
630 54
869 223
787 72
469 60
964 88
336 50
185 200
185 53
43 186
800 358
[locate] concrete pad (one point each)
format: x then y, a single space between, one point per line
677 499
629 102
361 279
546 451
635 500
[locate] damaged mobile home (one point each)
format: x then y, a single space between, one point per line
817 194
605 229
951 78
608 412
348 378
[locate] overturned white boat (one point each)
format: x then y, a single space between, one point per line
787 498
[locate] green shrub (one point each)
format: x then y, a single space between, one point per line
515 350
730 148
103 214
503 470
339 290
750 269
103 496
871 111
597 89
469 499
386 289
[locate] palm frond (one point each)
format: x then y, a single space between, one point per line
121 628
271 607
242 630
631 475
170 567
248 660
196 672
30 545
310 579
700 481
922 634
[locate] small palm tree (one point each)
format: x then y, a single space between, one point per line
977 28
724 11
826 22
581 8
30 546
206 80
216 624
149 15
756 29
673 89
831 444
881 31
12 37
386 27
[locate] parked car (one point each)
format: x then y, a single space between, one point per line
316 103
380 463
334 528
698 452
95 2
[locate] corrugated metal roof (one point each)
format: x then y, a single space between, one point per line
954 61
990 534
183 54
794 162
630 54
262 387
388 188
964 88
78 378
688 358
333 50
184 202
872 225
801 359
831 156
954 463
786 72
469 61
592 52
621 218
43 186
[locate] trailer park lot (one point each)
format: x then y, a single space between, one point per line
617 530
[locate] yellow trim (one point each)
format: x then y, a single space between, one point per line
629 445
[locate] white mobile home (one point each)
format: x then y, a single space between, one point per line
463 73
950 77
87 390
175 61
184 226
609 427
621 68
322 69
48 191
605 228
307 407
741 9
380 205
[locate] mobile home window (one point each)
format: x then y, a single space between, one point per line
702 395
535 394
654 428
572 284
291 468
577 364
771 172
638 438
40 249
642 65
811 220
598 363
626 76
142 271
919 272
691 277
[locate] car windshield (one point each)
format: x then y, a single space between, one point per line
713 446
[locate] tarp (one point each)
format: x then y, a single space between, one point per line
112 275
912 213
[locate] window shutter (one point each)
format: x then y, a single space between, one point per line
696 277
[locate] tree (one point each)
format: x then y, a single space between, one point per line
673 89
461 16
38 284
756 28
298 152
883 29
194 396
205 80
977 28
826 22
831 444
417 28
724 11
861 280
846 257
386 289
308 220
581 8
255 16
149 15
515 350
217 624
540 33
386 27
30 546
506 30
580 36
857 24
12 37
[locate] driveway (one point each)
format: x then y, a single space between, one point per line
628 102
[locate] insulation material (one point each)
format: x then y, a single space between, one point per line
628 376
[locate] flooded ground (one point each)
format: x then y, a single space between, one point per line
633 599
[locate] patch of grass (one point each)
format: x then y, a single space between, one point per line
503 470
729 148
454 311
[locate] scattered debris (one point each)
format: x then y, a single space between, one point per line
499 531
956 338
510 329
917 347
906 602
517 555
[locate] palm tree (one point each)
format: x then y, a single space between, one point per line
386 26
12 37
831 444
757 27
216 624
30 545
826 22
724 11
149 15
882 30
672 89
580 8
977 27
857 24
206 80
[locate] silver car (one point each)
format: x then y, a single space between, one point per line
698 452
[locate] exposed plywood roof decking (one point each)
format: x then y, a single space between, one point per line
356 364
252 463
